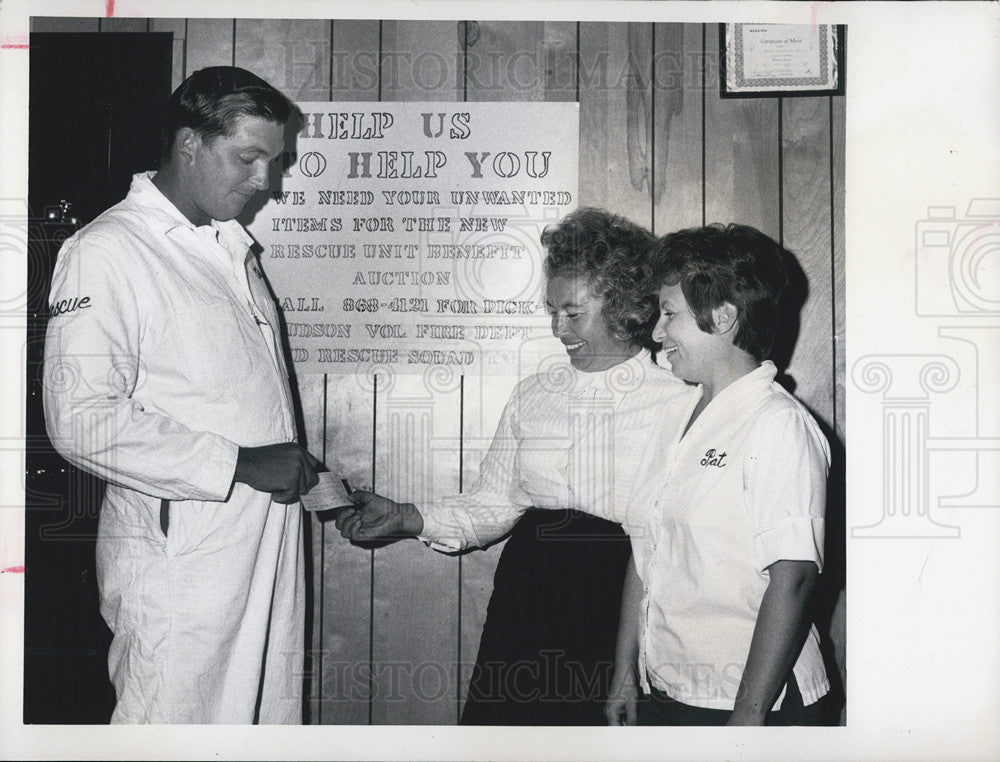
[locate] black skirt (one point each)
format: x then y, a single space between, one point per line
547 652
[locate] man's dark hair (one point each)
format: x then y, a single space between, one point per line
211 101
736 264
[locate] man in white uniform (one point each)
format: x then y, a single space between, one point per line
164 376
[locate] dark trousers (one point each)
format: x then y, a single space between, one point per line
547 652
659 709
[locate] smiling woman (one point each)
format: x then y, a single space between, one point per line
560 470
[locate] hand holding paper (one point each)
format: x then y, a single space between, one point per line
329 492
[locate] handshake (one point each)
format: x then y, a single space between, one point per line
289 473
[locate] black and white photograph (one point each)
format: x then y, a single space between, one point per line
482 387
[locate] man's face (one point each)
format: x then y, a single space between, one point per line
226 170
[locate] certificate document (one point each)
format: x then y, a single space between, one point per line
781 59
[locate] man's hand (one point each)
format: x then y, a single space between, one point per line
620 708
285 470
373 517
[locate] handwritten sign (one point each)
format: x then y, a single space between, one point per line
406 235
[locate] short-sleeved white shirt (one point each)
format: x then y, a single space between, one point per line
743 488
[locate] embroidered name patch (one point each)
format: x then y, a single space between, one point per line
64 306
714 458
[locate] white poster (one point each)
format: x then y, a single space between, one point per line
406 235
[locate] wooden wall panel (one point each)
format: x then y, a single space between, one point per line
343 587
415 590
122 24
503 61
741 150
291 54
342 578
354 60
420 61
558 60
415 619
807 226
615 163
64 24
209 43
311 392
677 127
179 29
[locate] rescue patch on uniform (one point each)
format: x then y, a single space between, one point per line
65 306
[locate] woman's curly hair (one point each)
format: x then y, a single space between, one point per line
612 253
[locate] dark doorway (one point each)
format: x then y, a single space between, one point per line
95 102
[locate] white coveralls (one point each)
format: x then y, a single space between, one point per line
161 360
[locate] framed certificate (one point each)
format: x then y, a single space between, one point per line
760 60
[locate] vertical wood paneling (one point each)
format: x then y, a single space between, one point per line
64 24
415 594
209 43
615 161
677 127
559 63
354 61
178 27
741 149
806 188
503 61
121 24
311 395
293 55
342 583
343 588
420 61
415 590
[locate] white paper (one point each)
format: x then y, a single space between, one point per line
329 493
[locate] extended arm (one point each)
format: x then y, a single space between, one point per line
624 693
781 628
475 518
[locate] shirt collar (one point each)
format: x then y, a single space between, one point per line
166 217
619 378
751 383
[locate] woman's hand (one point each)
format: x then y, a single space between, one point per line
373 517
623 697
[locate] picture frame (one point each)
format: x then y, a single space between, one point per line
781 60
